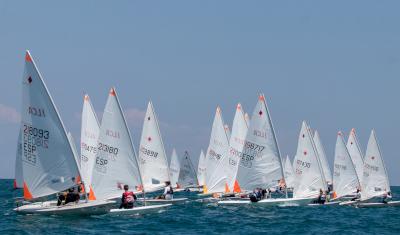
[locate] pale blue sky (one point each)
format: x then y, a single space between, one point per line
334 63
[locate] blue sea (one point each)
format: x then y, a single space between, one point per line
200 218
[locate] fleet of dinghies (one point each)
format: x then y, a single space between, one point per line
242 166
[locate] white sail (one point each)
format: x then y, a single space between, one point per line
48 162
90 129
261 164
289 173
18 179
75 152
201 169
215 179
187 175
115 164
322 157
345 179
308 171
375 180
355 153
228 131
236 144
152 158
247 118
174 168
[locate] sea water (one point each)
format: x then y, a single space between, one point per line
195 217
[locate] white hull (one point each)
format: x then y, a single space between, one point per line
51 208
326 204
377 204
271 202
140 209
163 201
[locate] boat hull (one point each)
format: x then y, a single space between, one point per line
51 208
140 210
164 201
271 202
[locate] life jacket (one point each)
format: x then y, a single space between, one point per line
129 197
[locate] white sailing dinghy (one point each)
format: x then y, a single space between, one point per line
345 179
153 161
90 130
322 157
289 173
215 177
236 144
116 164
18 179
174 169
310 177
375 182
48 161
187 175
260 165
355 153
201 169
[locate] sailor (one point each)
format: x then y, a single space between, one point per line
321 197
61 198
357 196
387 197
128 198
256 195
168 192
72 196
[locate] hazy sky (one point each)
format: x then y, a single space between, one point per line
335 64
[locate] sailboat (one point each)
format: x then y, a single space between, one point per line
187 175
261 164
345 179
289 173
18 179
236 144
322 157
90 130
355 153
49 165
174 169
201 169
310 178
153 161
215 177
115 164
375 182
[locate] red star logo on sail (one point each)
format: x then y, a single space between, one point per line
305 152
149 139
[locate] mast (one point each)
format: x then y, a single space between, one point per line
276 143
